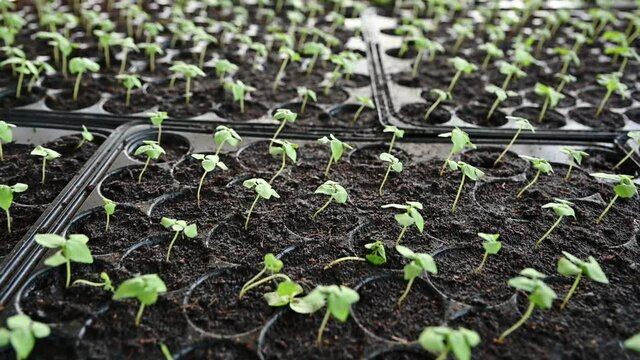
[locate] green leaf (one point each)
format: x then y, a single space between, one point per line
78 251
522 283
459 346
405 219
633 343
22 342
51 241
191 231
543 296
412 270
432 340
594 271
567 268
272 263
309 304
492 248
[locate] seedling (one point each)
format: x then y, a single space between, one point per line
6 135
152 50
376 255
47 155
286 150
394 164
288 55
540 295
564 80
24 68
468 171
460 140
86 135
284 116
443 340
335 192
562 208
491 246
440 97
397 134
127 45
511 71
145 288
571 266
575 159
423 44
633 343
152 150
208 163
625 189
411 216
274 266
493 52
109 209
418 264
6 199
462 66
73 249
461 30
285 294
316 50
129 82
21 333
364 102
613 85
157 118
239 90
223 68
522 124
204 39
106 283
180 227
306 94
567 56
635 135
500 94
79 66
263 190
337 150
551 98
188 71
541 165
226 135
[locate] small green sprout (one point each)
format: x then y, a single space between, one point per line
224 135
562 208
337 150
564 80
205 39
86 135
224 67
127 45
145 288
418 264
468 171
166 352
500 94
510 71
157 118
440 97
395 165
152 150
613 85
551 98
109 209
461 30
567 56
493 52
397 134
21 333
6 135
274 266
460 140
442 340
540 295
79 66
625 189
491 246
208 163
106 283
285 294
152 50
570 266
633 343
423 44
575 159
376 255
462 66
411 216
181 228
188 71
288 55
306 94
239 91
364 102
6 199
335 192
541 165
635 135
286 150
47 155
73 249
316 50
129 82
284 116
263 190
522 124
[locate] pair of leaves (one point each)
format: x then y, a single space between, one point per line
337 298
80 65
550 93
438 339
625 187
531 281
337 147
490 244
335 190
411 216
261 187
394 162
189 230
73 249
21 333
145 288
284 147
285 115
467 170
227 135
210 162
460 140
574 155
539 164
561 208
47 154
6 194
151 149
571 266
6 132
420 263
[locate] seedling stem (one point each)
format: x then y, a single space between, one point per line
571 291
518 324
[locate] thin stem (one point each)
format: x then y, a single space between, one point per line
171 244
506 82
443 355
123 64
1 152
159 133
406 291
203 53
568 175
432 108
106 228
343 259
607 209
264 269
200 187
453 209
484 261
322 208
107 56
8 220
546 235
544 109
457 45
152 62
278 131
187 93
603 103
494 106
386 175
401 235
312 64
19 87
535 178
282 166
444 166
246 223
146 164
561 85
127 101
416 64
139 315
244 291
504 152
326 170
629 154
323 325
520 322
565 67
76 87
356 116
454 81
242 105
276 82
68 273
571 291
393 142
87 282
485 63
304 104
44 169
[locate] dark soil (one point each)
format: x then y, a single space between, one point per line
607 120
477 115
414 114
552 119
22 218
595 95
140 102
9 101
313 115
218 350
122 186
344 115
252 111
189 171
64 101
634 115
484 158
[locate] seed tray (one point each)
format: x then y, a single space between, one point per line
210 269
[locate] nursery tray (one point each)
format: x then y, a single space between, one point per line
201 315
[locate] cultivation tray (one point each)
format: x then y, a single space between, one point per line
404 100
201 315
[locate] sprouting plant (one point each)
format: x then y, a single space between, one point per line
335 192
542 35
540 295
79 66
440 97
613 85
208 163
493 52
394 164
306 94
129 81
204 39
541 165
152 150
468 171
86 137
6 199
510 71
127 45
106 283
418 264
316 50
188 71
47 155
180 227
223 68
157 118
72 249
288 55
263 190
225 135
423 44
273 266
6 135
24 68
635 135
407 31
21 333
460 140
376 255
443 340
551 98
239 91
145 288
562 208
364 102
491 246
462 66
567 56
461 30
575 159
109 209
152 50
633 343
337 150
500 94
397 134
564 80
624 188
284 116
286 150
522 124
571 266
410 216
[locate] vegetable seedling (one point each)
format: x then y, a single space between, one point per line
157 118
468 171
272 265
6 135
510 71
411 216
491 246
21 333
540 296
152 50
460 140
72 249
571 266
6 199
86 136
551 98
284 116
226 135
522 124
562 208
127 45
443 340
337 150
423 44
541 165
335 192
364 102
204 39
288 55
129 82
152 150
575 159
47 155
224 67
239 91
285 294
564 80
208 163
81 65
286 150
394 164
376 255
109 209
461 30
568 56
145 288
625 189
306 94
316 50
418 264
106 283
613 85
397 134
180 227
263 190
635 135
492 51
500 94
440 97
188 71
462 66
